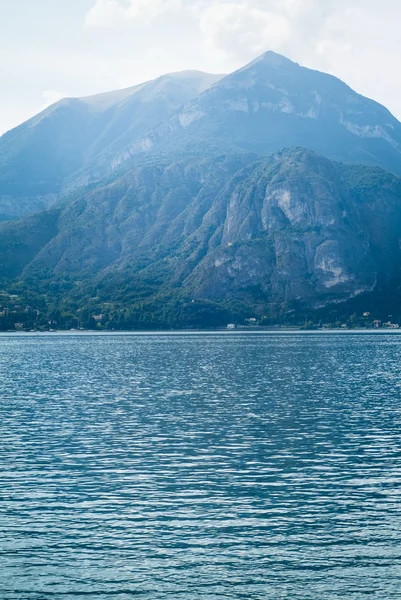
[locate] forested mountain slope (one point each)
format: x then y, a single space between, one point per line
290 232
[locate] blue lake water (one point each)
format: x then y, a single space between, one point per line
207 466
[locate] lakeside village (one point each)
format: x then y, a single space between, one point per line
354 323
16 316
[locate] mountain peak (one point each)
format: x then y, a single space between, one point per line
270 59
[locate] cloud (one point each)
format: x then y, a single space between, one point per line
242 28
112 13
233 30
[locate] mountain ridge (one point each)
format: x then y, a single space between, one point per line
250 110
269 104
40 156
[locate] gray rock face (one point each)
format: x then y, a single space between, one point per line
294 231
291 229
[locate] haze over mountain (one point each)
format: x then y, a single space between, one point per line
38 158
274 103
199 198
270 104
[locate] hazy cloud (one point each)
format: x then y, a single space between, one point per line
109 13
240 29
243 28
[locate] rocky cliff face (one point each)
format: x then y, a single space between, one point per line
294 229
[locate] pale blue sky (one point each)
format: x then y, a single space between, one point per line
51 48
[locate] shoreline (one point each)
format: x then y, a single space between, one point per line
177 332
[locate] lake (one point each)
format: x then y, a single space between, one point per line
200 466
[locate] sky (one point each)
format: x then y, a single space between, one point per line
55 48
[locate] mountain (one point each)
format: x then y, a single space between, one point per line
197 199
285 234
274 103
45 155
268 105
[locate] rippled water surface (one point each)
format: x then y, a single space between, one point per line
200 466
